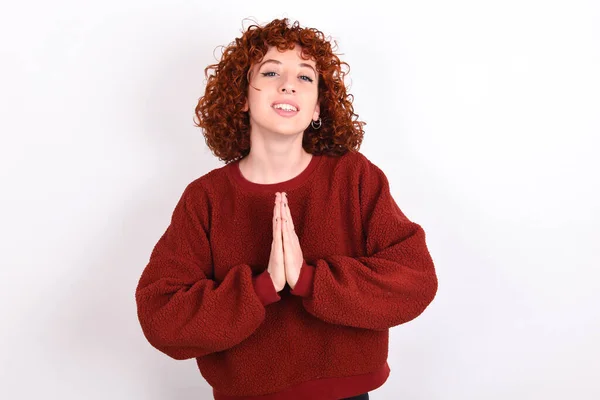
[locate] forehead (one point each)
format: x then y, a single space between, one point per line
294 56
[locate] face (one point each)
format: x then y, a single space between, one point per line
283 93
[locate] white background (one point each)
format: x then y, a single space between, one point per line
485 116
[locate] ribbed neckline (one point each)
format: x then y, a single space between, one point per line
295 182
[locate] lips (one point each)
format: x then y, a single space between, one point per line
284 105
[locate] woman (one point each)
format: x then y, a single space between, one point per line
282 271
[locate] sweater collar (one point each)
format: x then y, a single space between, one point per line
297 181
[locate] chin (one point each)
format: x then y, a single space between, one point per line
288 130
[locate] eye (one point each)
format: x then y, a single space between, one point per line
268 73
306 78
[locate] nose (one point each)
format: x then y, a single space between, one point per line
287 86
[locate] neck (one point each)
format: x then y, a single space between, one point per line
275 160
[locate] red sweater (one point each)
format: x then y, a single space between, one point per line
206 293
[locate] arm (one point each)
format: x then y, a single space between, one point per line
392 285
183 312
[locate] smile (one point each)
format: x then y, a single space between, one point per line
285 107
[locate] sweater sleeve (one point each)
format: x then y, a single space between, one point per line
393 284
182 311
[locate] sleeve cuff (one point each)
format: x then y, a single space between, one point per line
264 288
304 286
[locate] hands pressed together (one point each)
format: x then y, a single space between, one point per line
286 255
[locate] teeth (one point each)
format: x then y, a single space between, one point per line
286 107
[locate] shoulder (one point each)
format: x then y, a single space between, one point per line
201 191
358 166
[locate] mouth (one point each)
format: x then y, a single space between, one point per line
288 107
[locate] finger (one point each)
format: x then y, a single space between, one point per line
284 215
288 238
275 208
286 221
288 214
277 219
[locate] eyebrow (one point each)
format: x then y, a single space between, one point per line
270 60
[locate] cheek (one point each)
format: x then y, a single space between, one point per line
310 102
253 98
314 94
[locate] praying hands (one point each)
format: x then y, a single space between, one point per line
286 257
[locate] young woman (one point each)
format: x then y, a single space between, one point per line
282 271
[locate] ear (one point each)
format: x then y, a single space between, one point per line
317 112
245 109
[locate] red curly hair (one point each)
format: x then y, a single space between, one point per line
226 127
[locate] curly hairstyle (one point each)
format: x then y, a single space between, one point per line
226 127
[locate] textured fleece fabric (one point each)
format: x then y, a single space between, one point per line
206 293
